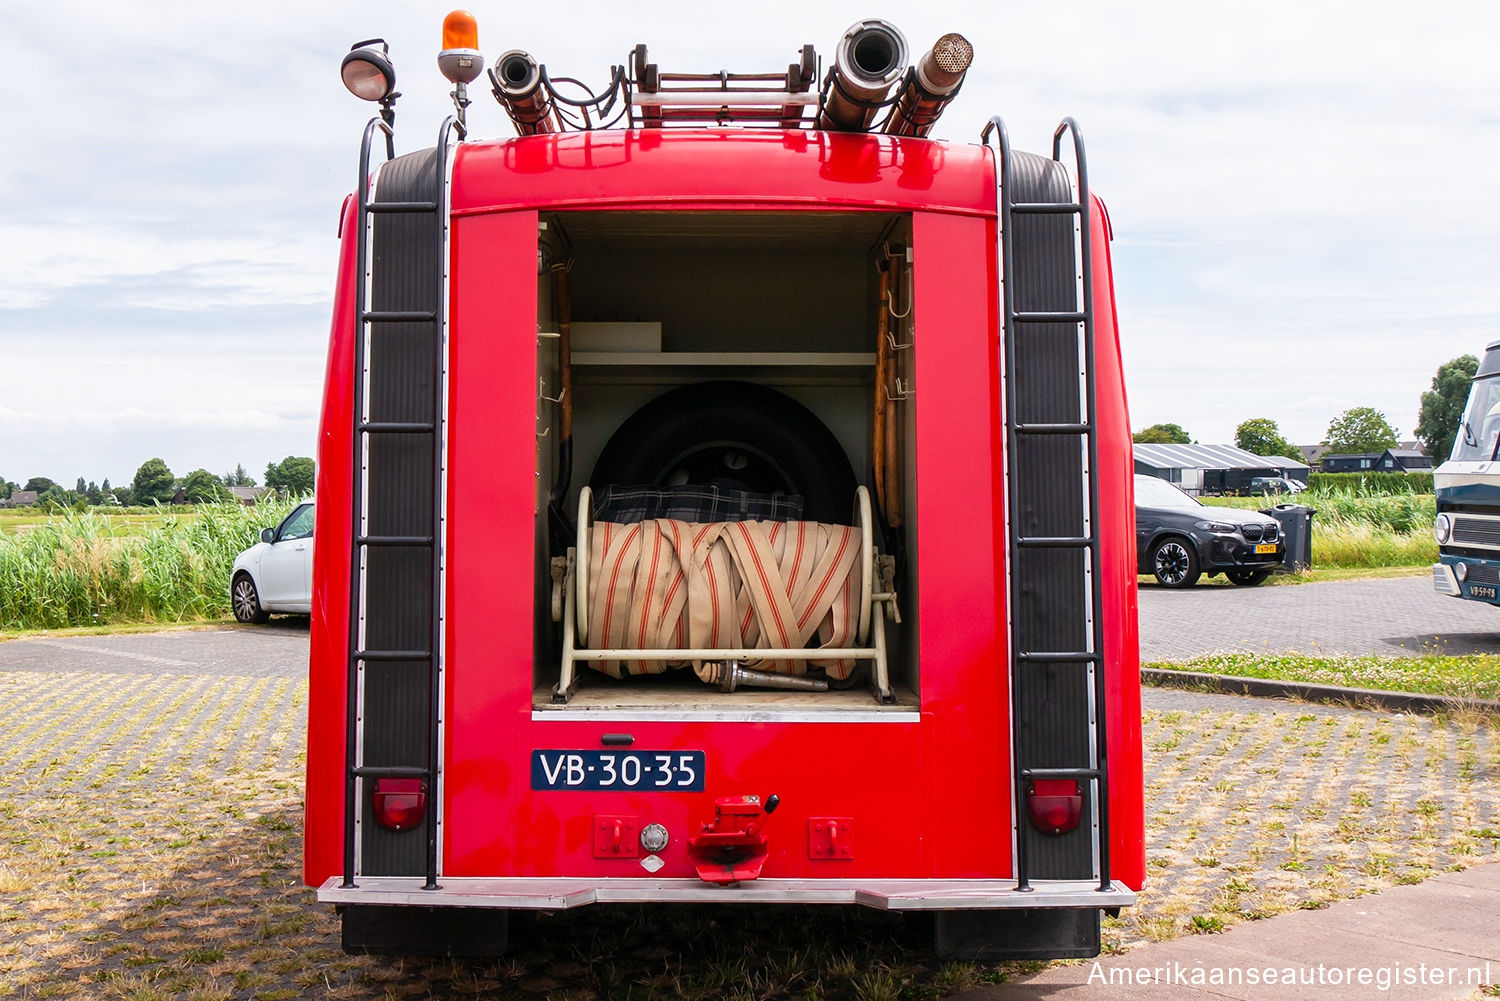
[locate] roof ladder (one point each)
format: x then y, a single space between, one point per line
397 488
1052 497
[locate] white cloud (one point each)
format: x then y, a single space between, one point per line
1298 193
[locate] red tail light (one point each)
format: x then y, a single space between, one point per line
1056 805
400 804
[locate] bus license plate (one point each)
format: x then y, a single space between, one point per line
1265 547
1481 591
641 771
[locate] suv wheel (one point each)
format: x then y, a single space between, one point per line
1246 578
1173 562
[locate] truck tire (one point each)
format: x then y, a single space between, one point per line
385 930
736 435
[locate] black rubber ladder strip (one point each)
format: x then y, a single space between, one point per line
1011 319
362 543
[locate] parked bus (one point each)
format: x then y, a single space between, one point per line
1468 494
725 494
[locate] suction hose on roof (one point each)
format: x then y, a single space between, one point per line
870 59
517 82
931 85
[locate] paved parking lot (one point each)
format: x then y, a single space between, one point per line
1400 616
277 650
152 807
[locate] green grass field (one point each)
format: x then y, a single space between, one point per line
1475 676
124 520
110 568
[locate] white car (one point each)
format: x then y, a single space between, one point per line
275 574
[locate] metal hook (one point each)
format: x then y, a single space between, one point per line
890 304
541 390
890 339
903 392
543 434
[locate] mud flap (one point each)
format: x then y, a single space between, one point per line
424 931
1031 933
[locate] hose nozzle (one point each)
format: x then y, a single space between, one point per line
870 59
517 83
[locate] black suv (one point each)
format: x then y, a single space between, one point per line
1179 539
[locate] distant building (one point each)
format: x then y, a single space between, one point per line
1392 460
1213 469
1312 454
250 496
20 498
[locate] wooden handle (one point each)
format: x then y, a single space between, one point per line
882 367
565 354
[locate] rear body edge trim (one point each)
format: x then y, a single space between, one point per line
881 894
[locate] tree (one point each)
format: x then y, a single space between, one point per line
1443 405
40 484
153 483
292 476
1163 434
1360 429
238 478
1261 436
202 487
55 497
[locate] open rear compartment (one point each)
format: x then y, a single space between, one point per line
750 371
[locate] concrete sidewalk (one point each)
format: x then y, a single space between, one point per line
1439 939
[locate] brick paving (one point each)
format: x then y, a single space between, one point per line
152 823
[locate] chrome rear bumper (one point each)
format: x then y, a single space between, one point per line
882 894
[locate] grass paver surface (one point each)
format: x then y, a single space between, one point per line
151 849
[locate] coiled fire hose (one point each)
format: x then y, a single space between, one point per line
671 585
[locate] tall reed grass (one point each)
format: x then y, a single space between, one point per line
1361 528
81 569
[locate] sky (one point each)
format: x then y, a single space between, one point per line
1301 195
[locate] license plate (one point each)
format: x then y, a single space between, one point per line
643 771
1265 547
1481 591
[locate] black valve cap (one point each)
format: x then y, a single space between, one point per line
772 802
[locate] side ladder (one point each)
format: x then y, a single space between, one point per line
397 492
1056 633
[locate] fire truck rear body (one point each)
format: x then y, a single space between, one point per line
756 251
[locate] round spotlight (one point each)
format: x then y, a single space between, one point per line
367 71
1442 528
1461 571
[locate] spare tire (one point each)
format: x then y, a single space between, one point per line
735 435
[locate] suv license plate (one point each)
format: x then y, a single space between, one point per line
1481 591
641 771
1265 547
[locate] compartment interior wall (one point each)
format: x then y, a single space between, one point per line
720 283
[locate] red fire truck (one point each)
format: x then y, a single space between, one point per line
724 494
